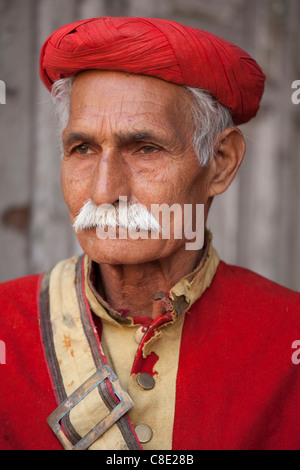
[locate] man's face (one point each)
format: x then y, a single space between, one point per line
129 136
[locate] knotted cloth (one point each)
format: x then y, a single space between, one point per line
160 48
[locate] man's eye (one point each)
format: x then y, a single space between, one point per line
147 149
82 149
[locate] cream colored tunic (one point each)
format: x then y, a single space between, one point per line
121 342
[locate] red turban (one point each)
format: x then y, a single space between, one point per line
162 49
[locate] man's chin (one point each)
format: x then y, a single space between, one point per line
121 251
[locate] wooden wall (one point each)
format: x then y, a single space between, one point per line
256 223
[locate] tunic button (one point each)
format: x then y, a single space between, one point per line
140 333
145 380
143 432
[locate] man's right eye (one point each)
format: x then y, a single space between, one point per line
82 149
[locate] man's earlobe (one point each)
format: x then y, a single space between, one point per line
229 152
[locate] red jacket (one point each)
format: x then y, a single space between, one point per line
237 386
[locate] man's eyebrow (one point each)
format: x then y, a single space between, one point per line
132 137
71 137
122 138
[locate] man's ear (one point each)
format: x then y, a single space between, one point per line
229 152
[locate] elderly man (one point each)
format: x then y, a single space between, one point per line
148 341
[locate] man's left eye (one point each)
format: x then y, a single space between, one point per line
147 149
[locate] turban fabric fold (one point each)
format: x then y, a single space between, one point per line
159 48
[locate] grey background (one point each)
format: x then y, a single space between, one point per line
256 223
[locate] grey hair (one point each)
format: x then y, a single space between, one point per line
61 98
210 117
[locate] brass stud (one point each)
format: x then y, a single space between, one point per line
144 433
146 381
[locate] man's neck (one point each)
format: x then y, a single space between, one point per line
131 288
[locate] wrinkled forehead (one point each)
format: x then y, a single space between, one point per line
106 84
121 97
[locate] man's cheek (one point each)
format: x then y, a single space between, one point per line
74 197
151 171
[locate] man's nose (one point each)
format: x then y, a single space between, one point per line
110 179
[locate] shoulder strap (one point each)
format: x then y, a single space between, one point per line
75 358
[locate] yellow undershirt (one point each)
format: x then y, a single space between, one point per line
120 341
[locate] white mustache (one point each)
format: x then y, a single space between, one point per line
132 216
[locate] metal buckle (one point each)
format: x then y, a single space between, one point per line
65 407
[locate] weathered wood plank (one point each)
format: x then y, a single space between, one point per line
15 128
52 237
